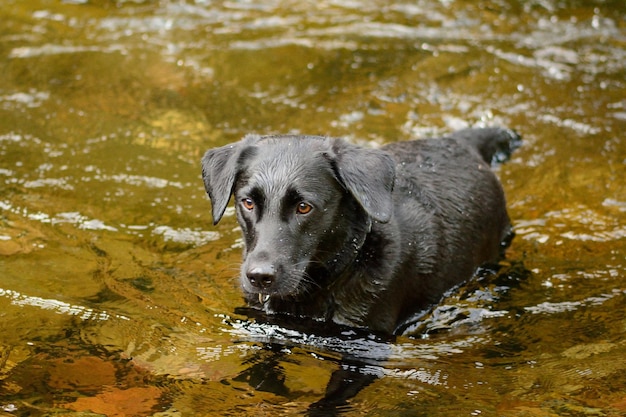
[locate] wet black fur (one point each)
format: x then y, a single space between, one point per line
390 231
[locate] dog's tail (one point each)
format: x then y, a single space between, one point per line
495 144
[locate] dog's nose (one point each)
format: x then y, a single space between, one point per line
261 277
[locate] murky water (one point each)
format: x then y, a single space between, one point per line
117 295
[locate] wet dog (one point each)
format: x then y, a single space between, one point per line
361 237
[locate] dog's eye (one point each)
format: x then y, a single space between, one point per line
304 208
247 203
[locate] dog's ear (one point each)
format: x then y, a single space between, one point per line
220 167
368 174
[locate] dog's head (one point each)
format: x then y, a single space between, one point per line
304 203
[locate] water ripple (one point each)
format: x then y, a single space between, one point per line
59 307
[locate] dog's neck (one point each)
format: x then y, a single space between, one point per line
350 260
349 251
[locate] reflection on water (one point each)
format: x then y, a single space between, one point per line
117 295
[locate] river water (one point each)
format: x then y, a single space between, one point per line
117 295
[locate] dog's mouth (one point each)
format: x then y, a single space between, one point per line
263 296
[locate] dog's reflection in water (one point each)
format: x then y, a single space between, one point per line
357 355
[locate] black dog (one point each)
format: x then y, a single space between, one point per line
362 237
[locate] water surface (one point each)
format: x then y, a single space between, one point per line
118 296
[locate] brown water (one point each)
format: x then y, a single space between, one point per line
117 295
